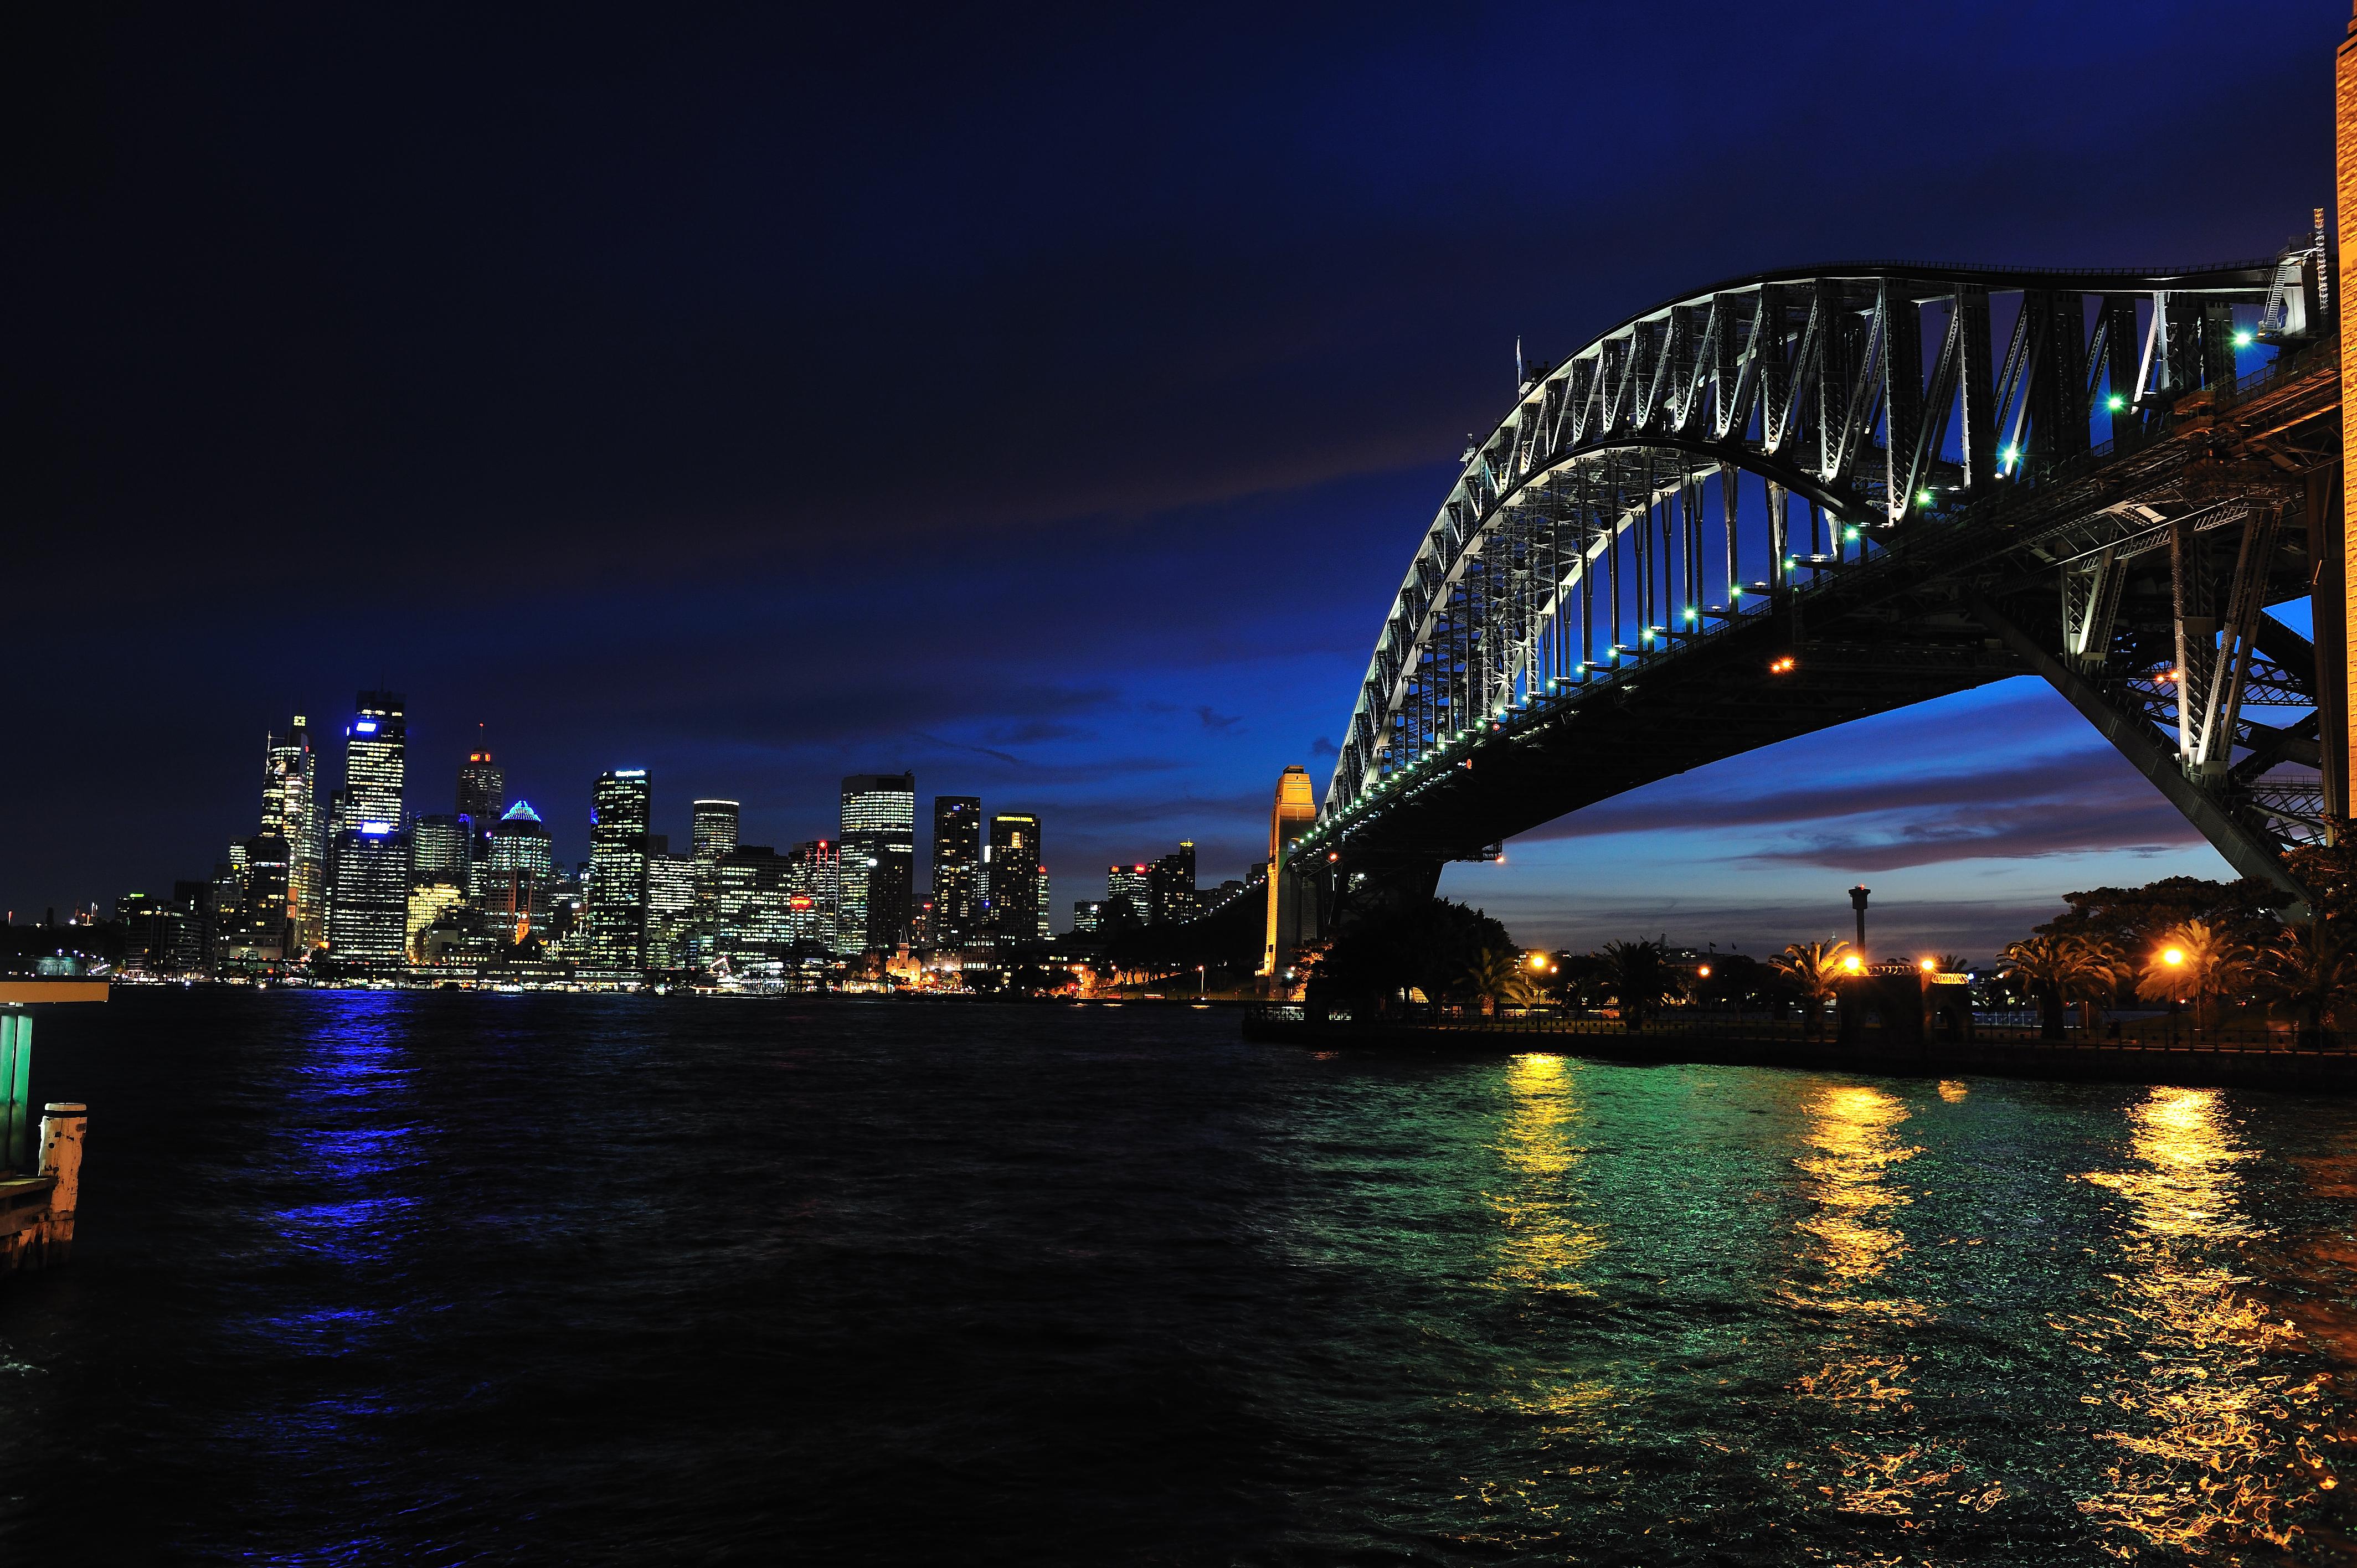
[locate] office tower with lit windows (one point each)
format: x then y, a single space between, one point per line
290 807
957 869
482 786
714 830
1088 917
1129 895
1171 886
813 892
368 921
876 873
614 904
440 851
511 884
253 930
671 906
1018 885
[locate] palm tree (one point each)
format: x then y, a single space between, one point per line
1811 969
1641 978
2061 970
2194 963
2311 970
1499 977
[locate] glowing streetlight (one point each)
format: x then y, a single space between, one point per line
1852 963
2242 339
1703 973
1928 967
2174 958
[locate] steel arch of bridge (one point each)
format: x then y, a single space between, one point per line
1626 468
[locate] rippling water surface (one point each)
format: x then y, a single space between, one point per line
478 1279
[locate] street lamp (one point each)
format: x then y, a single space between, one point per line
1852 963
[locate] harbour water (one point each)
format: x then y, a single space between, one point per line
459 1279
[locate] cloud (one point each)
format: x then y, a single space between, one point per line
1322 746
1217 721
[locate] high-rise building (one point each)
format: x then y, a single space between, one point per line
615 905
369 921
441 848
813 893
1129 895
482 784
253 928
1018 885
376 745
957 868
671 906
1171 886
290 809
368 918
714 833
1088 917
511 884
429 901
878 858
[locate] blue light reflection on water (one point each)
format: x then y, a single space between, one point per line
458 1279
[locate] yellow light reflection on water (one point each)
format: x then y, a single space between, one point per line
1548 1235
1854 1147
2186 1395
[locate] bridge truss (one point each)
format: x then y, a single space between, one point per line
1802 498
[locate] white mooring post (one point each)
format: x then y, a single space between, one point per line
62 1126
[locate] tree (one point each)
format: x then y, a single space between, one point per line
1500 979
1810 971
2329 872
2133 920
2311 970
2194 963
1737 981
2061 970
1641 978
1383 953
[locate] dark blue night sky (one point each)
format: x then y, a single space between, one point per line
1044 401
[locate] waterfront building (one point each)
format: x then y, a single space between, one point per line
878 852
290 809
369 923
511 884
1018 881
1129 895
615 901
1171 886
368 915
1087 917
957 870
251 923
441 850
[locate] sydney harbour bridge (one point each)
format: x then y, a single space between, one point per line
1791 500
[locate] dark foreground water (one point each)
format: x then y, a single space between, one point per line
476 1279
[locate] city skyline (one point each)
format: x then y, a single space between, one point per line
684 408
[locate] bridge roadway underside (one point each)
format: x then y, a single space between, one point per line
1679 715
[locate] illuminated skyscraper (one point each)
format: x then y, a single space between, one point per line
1018 887
813 893
880 852
368 921
1171 886
482 784
375 757
511 884
1129 895
957 867
615 903
290 807
439 852
715 831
